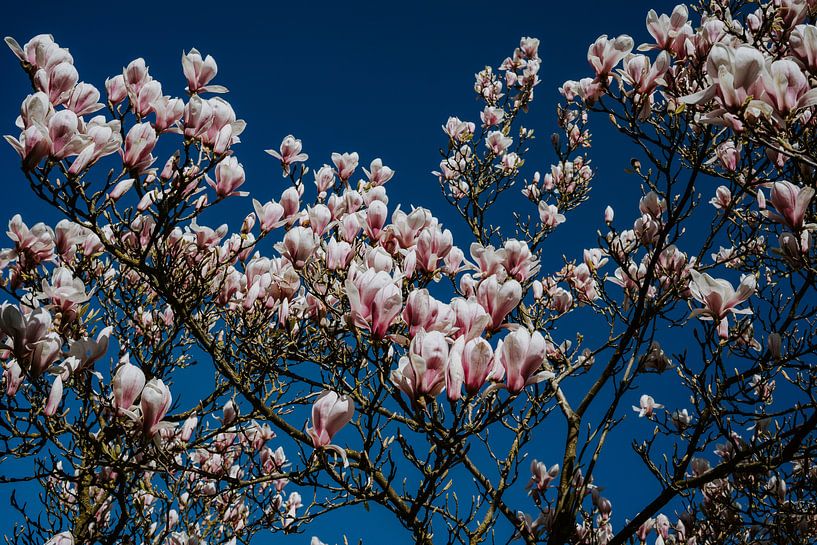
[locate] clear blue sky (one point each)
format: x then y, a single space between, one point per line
378 78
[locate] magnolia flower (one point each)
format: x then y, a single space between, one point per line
330 413
722 199
116 89
155 403
604 54
791 202
229 177
127 384
470 363
665 29
289 153
199 72
518 260
345 164
63 538
787 88
541 476
719 298
54 397
139 143
549 215
522 356
681 419
647 406
459 131
298 246
423 371
497 142
498 299
728 153
268 214
378 174
470 318
374 298
13 376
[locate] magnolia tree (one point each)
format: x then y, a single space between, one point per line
361 357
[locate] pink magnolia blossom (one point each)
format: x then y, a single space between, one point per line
338 254
667 29
229 177
120 189
168 112
522 356
498 299
470 363
269 214
787 88
35 245
116 89
433 244
57 81
13 377
33 145
143 102
54 397
791 203
345 164
63 131
139 143
199 72
299 245
103 138
65 290
518 260
378 174
587 89
155 403
289 153
644 76
197 118
319 218
459 131
330 413
422 372
604 54
419 310
376 216
728 153
471 318
135 76
647 406
491 116
497 142
84 99
324 178
41 51
803 42
63 538
127 384
549 215
291 202
541 476
722 199
719 298
735 73
374 298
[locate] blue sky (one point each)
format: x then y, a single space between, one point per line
378 78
